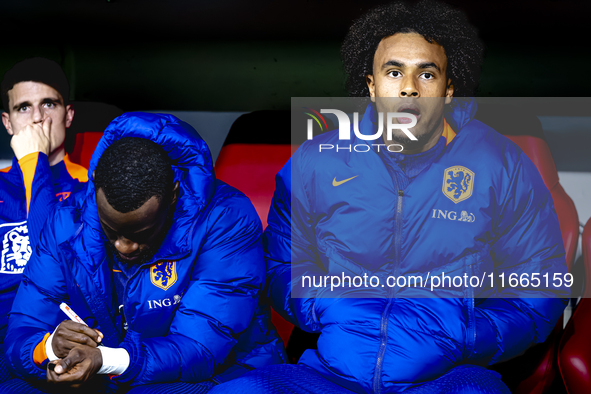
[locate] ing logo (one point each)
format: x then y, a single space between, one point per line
458 183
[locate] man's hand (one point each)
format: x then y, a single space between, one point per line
70 334
81 365
32 138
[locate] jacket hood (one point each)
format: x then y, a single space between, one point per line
192 165
189 153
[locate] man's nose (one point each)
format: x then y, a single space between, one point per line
125 246
38 114
408 88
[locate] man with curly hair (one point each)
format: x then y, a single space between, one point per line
436 23
379 213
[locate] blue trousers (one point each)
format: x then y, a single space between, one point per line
19 386
299 379
176 388
5 371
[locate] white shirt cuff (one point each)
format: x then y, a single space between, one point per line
49 349
115 360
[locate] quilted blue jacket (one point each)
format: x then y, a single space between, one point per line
193 311
19 229
480 208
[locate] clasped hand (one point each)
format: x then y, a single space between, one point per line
80 360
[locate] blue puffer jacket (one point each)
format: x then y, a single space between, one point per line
193 311
500 219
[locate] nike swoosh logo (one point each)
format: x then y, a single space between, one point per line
335 183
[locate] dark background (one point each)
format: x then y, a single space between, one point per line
231 55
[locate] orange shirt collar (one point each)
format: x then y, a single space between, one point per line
448 132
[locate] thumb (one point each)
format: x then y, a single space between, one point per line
47 126
65 364
100 334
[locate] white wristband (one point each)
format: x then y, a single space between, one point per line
49 349
115 360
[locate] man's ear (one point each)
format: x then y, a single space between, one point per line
175 193
372 86
69 115
6 122
449 92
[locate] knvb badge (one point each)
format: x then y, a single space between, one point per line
163 274
458 183
408 121
16 249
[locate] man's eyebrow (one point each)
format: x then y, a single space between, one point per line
429 65
420 66
394 63
52 100
24 103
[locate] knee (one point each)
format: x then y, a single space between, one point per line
465 379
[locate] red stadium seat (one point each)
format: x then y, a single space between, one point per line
249 160
90 120
251 168
536 370
84 146
574 354
537 150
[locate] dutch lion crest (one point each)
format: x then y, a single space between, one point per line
163 274
16 249
458 183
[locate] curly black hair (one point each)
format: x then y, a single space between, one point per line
131 171
435 21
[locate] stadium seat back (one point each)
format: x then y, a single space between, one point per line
256 148
574 354
534 372
90 120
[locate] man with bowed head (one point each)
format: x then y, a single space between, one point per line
162 262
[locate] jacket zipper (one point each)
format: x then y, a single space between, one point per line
377 377
124 320
471 318
122 307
